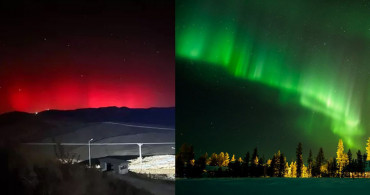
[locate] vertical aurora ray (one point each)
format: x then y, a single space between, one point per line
287 47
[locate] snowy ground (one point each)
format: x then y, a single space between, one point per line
316 186
154 165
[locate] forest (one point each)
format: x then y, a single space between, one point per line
345 164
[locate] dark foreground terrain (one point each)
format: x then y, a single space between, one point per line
29 173
156 187
284 186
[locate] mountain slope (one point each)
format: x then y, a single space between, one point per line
18 127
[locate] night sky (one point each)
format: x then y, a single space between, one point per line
78 54
272 73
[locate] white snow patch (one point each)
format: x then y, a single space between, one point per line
154 165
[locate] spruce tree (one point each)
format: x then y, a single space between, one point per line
282 165
332 167
254 163
299 159
310 163
260 167
254 155
320 159
349 153
349 167
275 165
360 164
246 169
364 160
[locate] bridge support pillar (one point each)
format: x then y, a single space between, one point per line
140 156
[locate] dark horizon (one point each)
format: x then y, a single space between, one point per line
86 108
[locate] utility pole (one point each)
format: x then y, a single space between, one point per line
90 152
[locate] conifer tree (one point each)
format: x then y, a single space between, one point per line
332 167
349 153
233 158
213 160
342 158
184 159
180 166
207 160
245 166
275 164
282 165
304 171
368 149
247 158
202 161
226 160
254 163
186 153
287 170
268 162
310 163
349 167
320 159
221 159
365 158
254 156
324 169
293 169
299 159
260 167
290 170
360 164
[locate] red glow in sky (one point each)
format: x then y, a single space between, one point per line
60 87
108 54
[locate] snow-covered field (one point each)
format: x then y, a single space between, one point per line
159 164
315 186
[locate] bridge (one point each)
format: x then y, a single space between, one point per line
100 144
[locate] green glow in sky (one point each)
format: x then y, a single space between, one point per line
323 56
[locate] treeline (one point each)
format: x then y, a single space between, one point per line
253 165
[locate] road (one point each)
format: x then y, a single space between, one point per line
157 187
141 126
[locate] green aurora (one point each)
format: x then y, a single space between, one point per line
318 50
